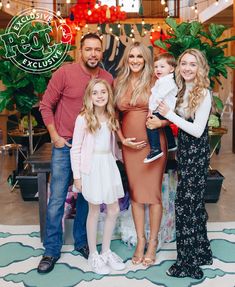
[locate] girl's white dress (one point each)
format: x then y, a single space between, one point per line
103 184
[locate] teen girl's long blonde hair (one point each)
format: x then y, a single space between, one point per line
88 109
142 88
201 82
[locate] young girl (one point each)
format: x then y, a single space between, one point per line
95 171
193 108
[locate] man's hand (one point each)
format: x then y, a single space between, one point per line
61 142
78 185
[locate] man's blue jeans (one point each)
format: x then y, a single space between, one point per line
61 175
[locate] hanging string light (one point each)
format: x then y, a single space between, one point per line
97 4
33 8
132 29
8 5
58 13
133 4
216 2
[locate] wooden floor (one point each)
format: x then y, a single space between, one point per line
15 211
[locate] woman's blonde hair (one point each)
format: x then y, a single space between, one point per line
201 82
88 109
144 81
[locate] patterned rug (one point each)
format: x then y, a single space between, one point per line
21 250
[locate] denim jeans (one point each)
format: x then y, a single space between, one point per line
61 175
154 137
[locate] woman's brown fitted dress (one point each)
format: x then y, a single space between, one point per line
145 179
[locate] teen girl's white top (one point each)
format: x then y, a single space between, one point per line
197 127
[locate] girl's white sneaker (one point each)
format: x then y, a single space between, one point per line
113 260
98 264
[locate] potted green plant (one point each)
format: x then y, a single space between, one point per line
185 35
22 88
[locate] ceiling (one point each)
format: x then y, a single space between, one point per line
225 17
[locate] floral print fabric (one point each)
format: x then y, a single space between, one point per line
193 247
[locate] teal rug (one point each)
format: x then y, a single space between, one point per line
21 250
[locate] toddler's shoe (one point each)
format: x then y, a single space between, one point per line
97 264
153 155
113 260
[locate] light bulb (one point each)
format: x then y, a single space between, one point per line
58 13
89 12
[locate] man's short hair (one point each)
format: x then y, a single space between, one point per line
90 36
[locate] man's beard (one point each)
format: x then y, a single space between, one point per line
92 66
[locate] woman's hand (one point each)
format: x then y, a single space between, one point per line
153 123
130 142
163 108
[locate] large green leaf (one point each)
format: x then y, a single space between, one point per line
216 31
182 30
226 40
218 102
160 44
40 84
5 97
25 102
172 23
195 28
